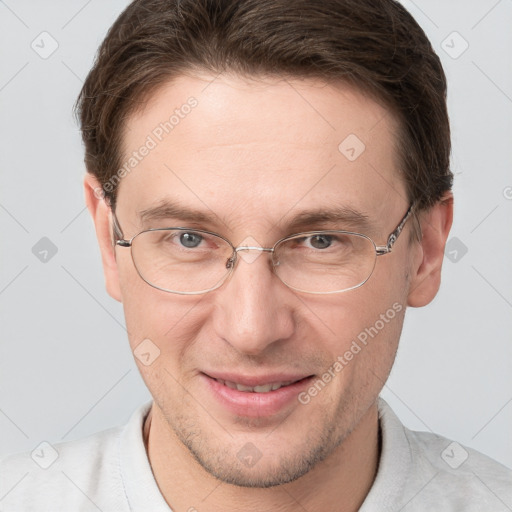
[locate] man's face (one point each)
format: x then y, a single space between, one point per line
251 155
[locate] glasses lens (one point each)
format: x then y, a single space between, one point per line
181 260
325 262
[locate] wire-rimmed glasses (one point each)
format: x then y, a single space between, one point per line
193 261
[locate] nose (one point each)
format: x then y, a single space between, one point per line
254 308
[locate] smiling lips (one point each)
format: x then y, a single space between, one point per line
255 397
256 384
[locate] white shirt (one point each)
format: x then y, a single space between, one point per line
110 471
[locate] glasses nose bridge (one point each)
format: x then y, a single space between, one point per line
231 261
253 248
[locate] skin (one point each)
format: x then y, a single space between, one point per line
252 154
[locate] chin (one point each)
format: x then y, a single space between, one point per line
265 466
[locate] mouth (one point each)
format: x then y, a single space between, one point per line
256 396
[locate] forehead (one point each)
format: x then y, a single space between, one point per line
260 148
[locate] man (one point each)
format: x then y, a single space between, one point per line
270 187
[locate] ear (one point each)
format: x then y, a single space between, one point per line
426 271
101 216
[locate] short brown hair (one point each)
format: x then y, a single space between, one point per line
375 45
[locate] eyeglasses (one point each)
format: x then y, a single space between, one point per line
193 261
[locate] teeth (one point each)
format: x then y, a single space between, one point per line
255 389
241 387
263 389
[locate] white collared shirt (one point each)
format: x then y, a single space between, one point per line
110 471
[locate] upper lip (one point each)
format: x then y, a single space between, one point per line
256 380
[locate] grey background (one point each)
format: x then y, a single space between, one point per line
66 369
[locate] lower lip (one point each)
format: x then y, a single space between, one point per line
256 405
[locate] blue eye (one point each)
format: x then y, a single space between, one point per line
320 241
190 240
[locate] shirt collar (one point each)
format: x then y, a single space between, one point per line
386 493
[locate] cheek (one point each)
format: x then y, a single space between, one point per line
348 314
167 320
362 327
362 352
162 329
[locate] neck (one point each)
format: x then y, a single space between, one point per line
340 482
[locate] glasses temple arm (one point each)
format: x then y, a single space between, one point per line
117 232
392 238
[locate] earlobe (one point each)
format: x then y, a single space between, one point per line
426 271
101 216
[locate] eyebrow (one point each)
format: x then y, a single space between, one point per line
340 217
168 210
326 217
